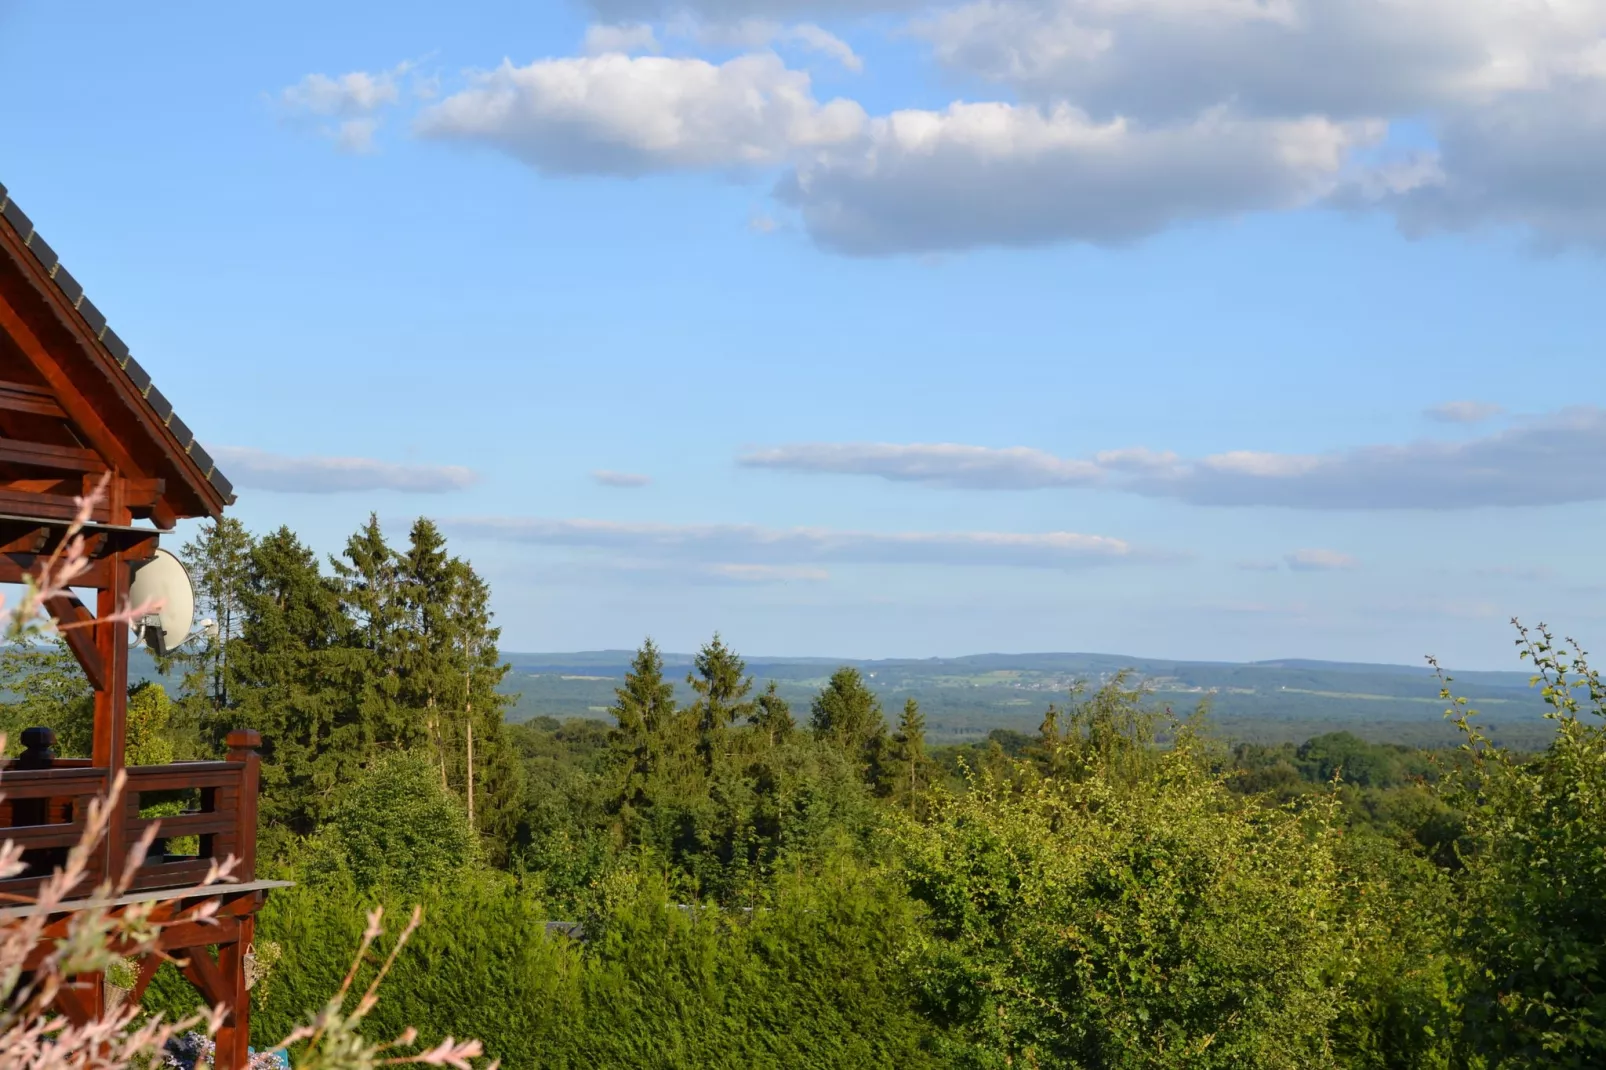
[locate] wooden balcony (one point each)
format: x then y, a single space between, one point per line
45 811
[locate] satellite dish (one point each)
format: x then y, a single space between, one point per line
163 580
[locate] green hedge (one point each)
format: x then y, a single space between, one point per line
812 980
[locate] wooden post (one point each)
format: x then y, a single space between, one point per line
243 744
234 1037
111 700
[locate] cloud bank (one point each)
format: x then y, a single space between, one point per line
745 546
1112 119
1554 459
260 470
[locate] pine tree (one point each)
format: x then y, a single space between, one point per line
290 680
772 717
647 720
428 678
847 715
369 578
483 767
904 767
218 560
722 686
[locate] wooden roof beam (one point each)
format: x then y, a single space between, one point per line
77 625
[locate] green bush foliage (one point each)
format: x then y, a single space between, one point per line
1107 920
811 980
397 827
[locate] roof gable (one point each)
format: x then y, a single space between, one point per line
74 404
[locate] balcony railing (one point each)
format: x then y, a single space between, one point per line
45 810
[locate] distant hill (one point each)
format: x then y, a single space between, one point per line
966 697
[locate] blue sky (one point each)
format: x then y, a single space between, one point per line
1234 329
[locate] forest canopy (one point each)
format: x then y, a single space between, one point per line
717 877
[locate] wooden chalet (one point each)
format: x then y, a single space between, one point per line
75 407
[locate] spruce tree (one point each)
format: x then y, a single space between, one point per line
722 685
289 680
904 772
482 766
771 716
218 560
847 715
369 578
427 580
646 714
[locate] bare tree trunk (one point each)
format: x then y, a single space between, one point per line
468 723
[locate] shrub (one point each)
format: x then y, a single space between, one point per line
1533 894
1106 919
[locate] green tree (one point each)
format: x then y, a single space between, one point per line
51 691
149 720
1108 921
721 685
429 676
369 581
771 716
290 680
394 827
482 764
847 715
905 768
219 561
1533 891
646 715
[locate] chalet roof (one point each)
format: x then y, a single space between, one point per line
170 452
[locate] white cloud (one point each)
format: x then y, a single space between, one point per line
827 44
623 37
1116 119
357 135
1001 174
1515 93
943 464
754 34
356 93
1463 412
1169 59
745 544
1320 561
260 470
1533 159
1553 459
621 479
349 104
623 115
